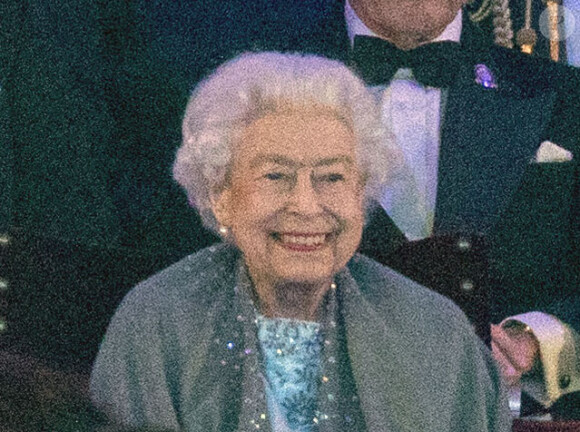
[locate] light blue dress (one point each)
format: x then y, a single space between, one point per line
291 351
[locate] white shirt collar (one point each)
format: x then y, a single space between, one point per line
355 26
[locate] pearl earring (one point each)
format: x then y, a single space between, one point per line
223 230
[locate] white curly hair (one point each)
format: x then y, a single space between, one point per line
255 84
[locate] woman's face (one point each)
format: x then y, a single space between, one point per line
295 201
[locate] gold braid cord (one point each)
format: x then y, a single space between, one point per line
502 23
483 11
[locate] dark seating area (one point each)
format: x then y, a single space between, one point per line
56 299
59 296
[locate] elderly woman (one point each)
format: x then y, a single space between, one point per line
283 326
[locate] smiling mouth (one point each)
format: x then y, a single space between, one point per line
303 242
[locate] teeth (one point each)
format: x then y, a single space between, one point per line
314 240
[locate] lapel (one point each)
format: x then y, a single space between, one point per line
379 367
381 237
399 344
488 137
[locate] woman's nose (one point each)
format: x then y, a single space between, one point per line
304 198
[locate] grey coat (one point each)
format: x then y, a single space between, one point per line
180 353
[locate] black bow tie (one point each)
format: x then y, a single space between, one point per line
435 64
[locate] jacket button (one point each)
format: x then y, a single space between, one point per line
3 325
564 381
467 285
4 239
463 244
3 285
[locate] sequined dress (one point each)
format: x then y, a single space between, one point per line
291 355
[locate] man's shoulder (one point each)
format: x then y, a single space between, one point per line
535 73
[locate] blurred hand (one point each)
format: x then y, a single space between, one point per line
515 348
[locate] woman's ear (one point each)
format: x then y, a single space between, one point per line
220 206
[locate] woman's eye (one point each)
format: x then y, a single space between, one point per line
333 177
274 176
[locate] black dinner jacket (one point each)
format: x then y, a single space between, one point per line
490 187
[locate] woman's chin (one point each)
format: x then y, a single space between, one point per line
305 279
292 270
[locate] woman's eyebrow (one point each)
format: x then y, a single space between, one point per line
335 160
291 163
274 159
